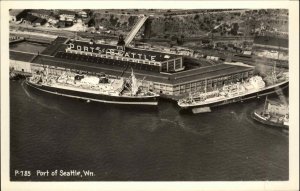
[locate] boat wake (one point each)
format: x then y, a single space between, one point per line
164 120
26 92
180 124
239 116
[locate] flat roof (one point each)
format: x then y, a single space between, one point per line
31 17
41 11
96 68
67 12
56 46
160 56
21 56
174 79
271 41
39 20
208 72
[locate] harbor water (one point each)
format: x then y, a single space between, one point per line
125 143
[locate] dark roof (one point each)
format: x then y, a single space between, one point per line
55 46
21 56
40 20
209 72
271 41
177 78
96 68
30 18
159 55
67 12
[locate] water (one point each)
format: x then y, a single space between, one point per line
50 132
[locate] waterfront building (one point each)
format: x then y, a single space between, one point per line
270 42
157 71
271 47
121 56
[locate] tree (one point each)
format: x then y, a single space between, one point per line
174 38
131 20
235 28
180 40
220 18
91 22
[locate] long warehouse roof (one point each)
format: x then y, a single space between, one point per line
197 74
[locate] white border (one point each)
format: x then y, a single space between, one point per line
292 184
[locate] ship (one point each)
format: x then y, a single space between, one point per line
253 87
273 114
97 88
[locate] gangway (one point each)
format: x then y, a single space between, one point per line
135 29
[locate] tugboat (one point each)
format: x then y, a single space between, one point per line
94 88
273 114
250 88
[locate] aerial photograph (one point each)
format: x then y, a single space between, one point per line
149 94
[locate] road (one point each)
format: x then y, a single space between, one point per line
58 32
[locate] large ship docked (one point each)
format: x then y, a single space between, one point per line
93 88
250 88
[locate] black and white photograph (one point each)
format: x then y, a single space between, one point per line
168 94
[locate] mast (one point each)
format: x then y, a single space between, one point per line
191 97
274 67
134 86
46 74
274 73
265 106
205 87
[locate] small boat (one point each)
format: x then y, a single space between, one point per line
94 88
273 114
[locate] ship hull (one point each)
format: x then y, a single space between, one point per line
125 100
241 98
261 119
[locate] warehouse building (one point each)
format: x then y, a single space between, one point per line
174 85
269 42
121 56
271 47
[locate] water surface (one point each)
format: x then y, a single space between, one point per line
49 132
